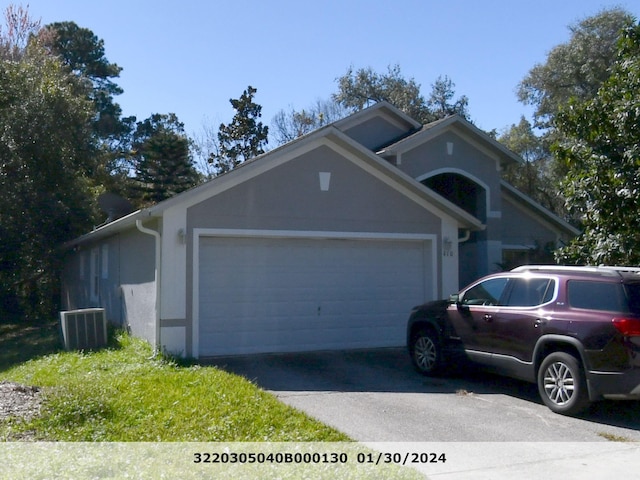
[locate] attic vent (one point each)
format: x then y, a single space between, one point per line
325 180
449 148
84 329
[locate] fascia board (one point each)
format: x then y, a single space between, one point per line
416 139
214 186
117 226
487 139
467 130
394 115
329 136
244 172
389 173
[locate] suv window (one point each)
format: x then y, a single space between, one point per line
529 292
485 293
597 295
633 296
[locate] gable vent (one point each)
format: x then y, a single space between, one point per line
84 329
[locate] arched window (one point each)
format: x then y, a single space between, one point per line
461 191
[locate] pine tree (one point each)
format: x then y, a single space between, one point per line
163 165
244 138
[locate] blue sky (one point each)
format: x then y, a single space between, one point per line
191 57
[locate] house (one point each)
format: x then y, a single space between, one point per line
326 242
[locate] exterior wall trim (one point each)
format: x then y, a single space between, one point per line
390 113
464 173
435 208
461 127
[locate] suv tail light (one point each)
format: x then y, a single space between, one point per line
629 327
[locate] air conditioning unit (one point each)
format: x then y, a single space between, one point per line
84 329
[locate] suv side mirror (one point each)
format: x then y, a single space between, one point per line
456 299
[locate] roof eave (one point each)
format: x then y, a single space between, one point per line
434 129
111 228
466 220
366 113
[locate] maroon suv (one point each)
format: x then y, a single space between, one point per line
574 331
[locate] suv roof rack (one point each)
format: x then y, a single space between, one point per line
577 268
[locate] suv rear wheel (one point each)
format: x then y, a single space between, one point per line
425 351
562 385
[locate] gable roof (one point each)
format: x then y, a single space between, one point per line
388 111
328 135
333 135
462 127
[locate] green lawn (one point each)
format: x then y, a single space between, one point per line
124 393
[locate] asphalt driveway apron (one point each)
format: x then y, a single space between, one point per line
356 392
375 396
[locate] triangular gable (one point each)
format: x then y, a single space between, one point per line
461 127
377 125
384 109
406 182
330 136
339 134
333 138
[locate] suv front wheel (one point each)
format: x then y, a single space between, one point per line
425 351
562 385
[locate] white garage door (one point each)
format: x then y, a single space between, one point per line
280 295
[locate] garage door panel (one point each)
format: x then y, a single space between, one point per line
270 295
292 341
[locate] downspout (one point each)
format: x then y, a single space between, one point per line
465 237
156 236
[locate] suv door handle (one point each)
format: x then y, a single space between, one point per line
488 317
539 322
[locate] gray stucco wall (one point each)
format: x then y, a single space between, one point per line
288 197
121 280
75 281
481 253
434 156
522 227
137 283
